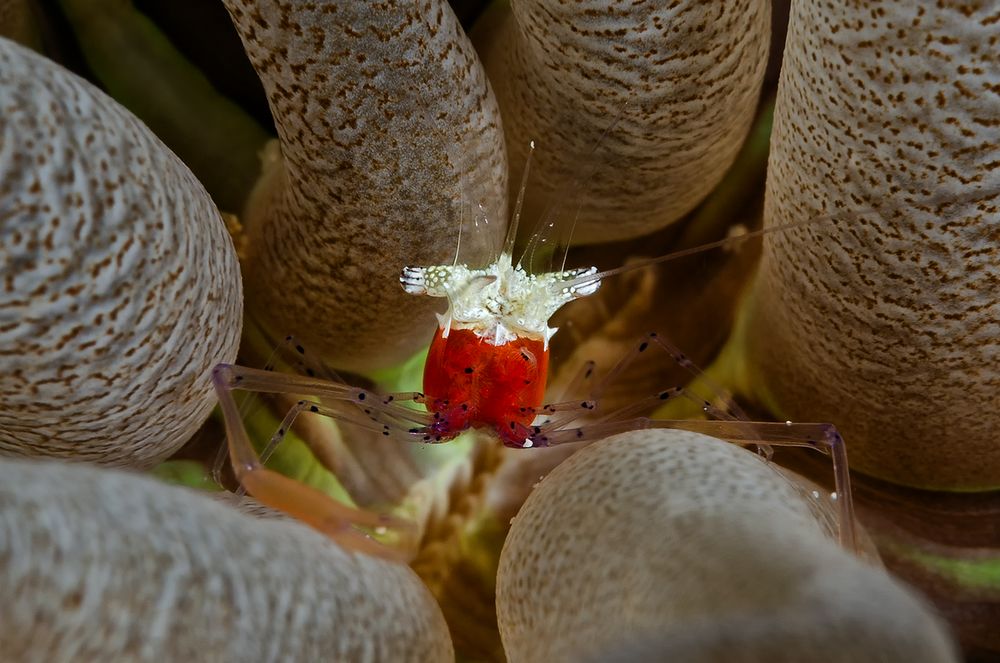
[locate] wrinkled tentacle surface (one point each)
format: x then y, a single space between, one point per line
667 531
106 566
674 85
887 324
388 128
120 289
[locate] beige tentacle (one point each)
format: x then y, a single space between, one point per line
887 325
682 78
120 289
655 533
386 123
100 565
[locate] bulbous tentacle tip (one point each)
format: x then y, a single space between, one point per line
137 228
624 154
654 527
910 280
122 542
426 189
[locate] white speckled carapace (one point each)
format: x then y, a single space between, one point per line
119 286
387 124
888 325
690 73
100 565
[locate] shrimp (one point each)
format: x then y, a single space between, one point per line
487 368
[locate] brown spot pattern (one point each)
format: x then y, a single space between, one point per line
661 531
120 286
387 124
100 565
690 73
888 325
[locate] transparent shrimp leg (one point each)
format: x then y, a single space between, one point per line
570 410
818 436
541 433
645 404
719 405
302 502
635 409
727 422
293 353
731 409
582 377
305 363
388 423
565 409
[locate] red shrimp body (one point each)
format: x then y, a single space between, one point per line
471 383
489 360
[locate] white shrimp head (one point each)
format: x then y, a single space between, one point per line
502 301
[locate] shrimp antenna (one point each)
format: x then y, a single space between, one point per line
573 186
458 244
463 206
569 237
615 121
508 244
579 209
729 241
934 200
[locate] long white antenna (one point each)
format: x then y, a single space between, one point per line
572 189
461 224
464 206
729 241
508 245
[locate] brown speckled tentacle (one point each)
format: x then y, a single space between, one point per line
126 568
888 326
119 286
676 82
387 125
